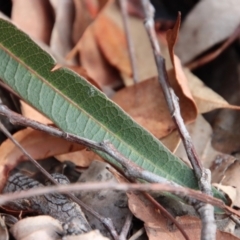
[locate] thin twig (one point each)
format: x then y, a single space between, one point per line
205 211
167 215
137 234
106 221
123 7
149 187
126 227
77 187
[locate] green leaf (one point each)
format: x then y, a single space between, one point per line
78 107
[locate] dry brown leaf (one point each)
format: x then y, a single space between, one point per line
81 158
4 234
209 23
201 134
108 28
155 223
34 17
230 191
192 226
157 226
172 141
38 228
112 43
146 104
206 99
38 144
61 37
94 62
232 178
177 71
31 113
219 167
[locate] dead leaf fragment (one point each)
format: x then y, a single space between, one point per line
206 99
38 144
114 46
34 17
61 37
177 71
171 141
31 113
82 158
112 43
232 178
192 226
201 134
39 228
209 23
94 62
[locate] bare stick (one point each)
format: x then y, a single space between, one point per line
106 221
153 187
206 211
123 7
137 234
126 227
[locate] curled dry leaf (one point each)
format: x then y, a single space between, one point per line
38 228
209 23
34 17
177 71
206 99
38 144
